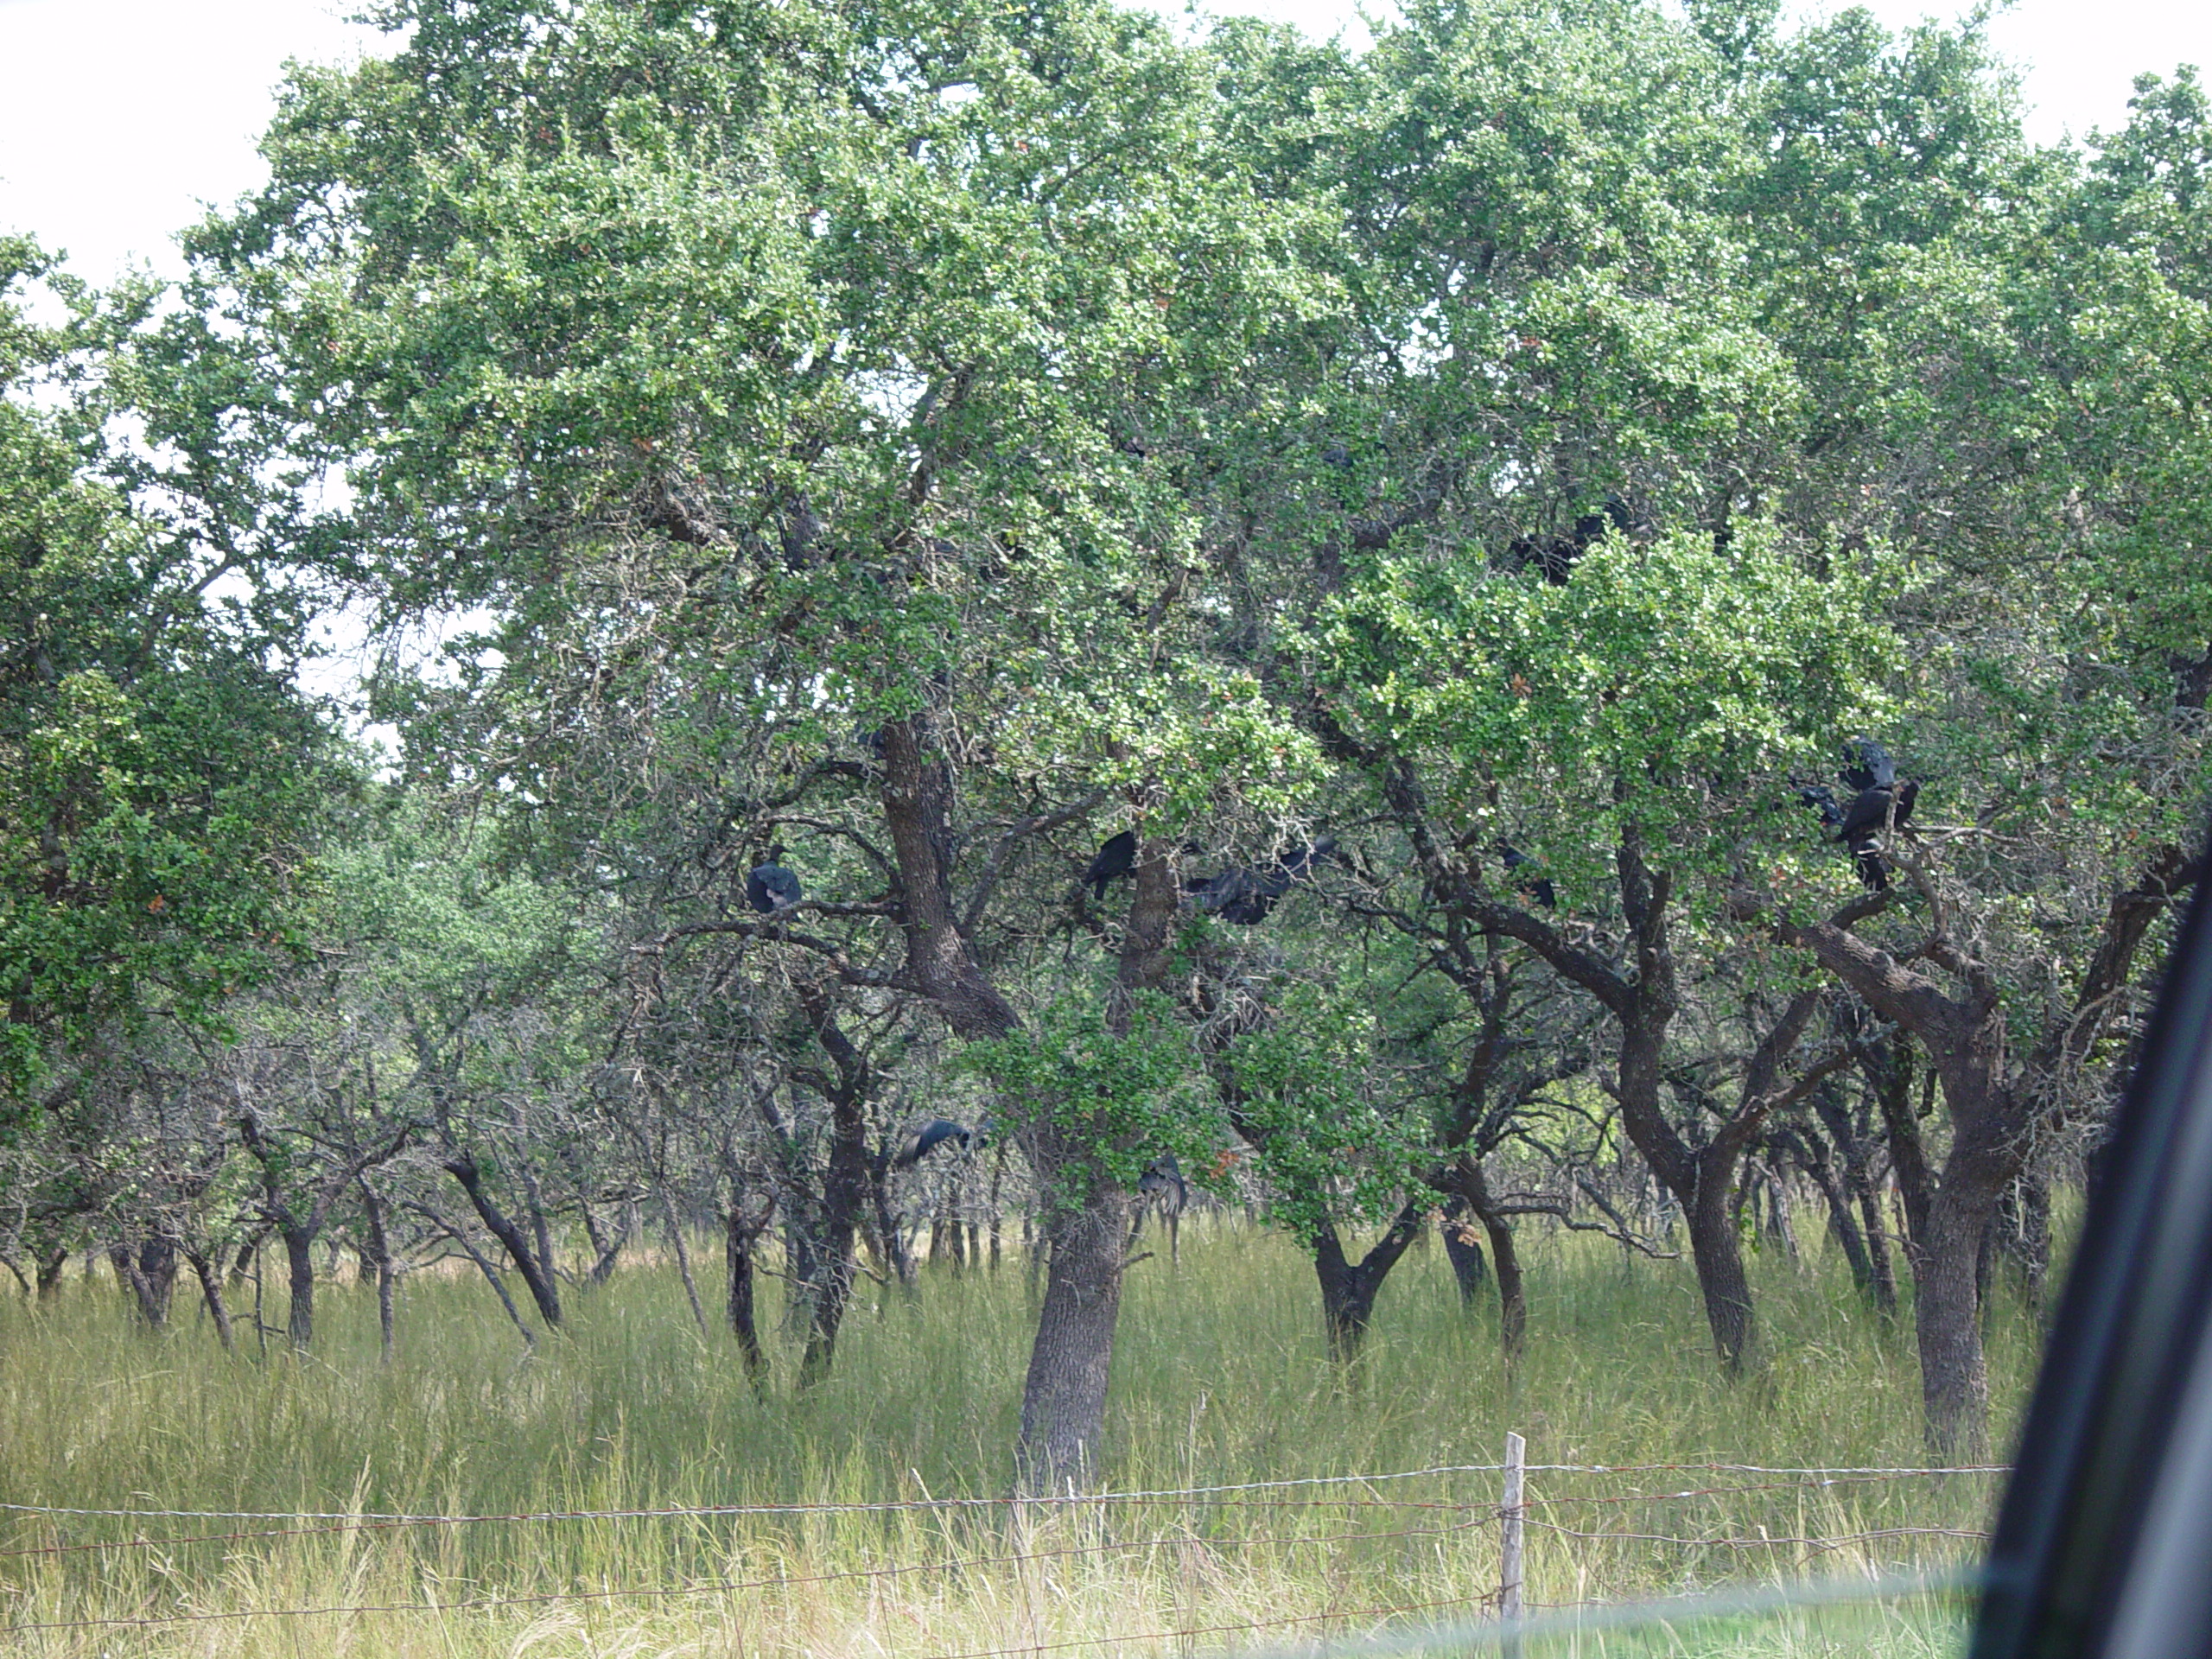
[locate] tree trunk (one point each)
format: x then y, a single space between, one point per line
1469 1269
210 1291
536 1274
740 1236
1063 1398
683 1261
1777 1225
1349 1289
1469 1181
1716 1248
380 1255
831 1294
298 1261
606 1247
1512 1298
540 1230
1954 1378
149 1274
845 1183
1858 1182
50 1266
1843 1224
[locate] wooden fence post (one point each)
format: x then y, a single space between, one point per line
1510 1540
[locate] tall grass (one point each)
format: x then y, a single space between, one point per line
1221 1376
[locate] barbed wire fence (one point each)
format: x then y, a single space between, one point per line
1029 1532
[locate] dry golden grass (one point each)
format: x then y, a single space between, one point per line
1220 1378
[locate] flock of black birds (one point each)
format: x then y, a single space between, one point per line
1239 893
1244 895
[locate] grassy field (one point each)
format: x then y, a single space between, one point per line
1220 1378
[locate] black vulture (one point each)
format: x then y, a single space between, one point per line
1822 800
769 887
1161 1187
1555 555
1235 895
1867 765
921 1142
1293 868
1536 885
1869 812
1162 1183
1117 857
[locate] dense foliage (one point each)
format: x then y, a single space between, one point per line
1445 505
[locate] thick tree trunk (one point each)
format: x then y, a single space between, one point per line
832 1293
1349 1288
740 1235
299 1262
1716 1248
1063 1398
845 1185
149 1274
1954 1378
1462 1248
50 1266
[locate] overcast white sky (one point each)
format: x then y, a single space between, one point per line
118 116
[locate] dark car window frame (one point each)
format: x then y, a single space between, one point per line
2113 1471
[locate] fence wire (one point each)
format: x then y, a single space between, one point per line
1457 1519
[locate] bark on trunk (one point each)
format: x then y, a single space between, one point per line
387 1271
210 1291
535 1275
1063 1399
1954 1377
1349 1288
299 1262
1716 1248
1461 1247
740 1235
149 1274
1512 1297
